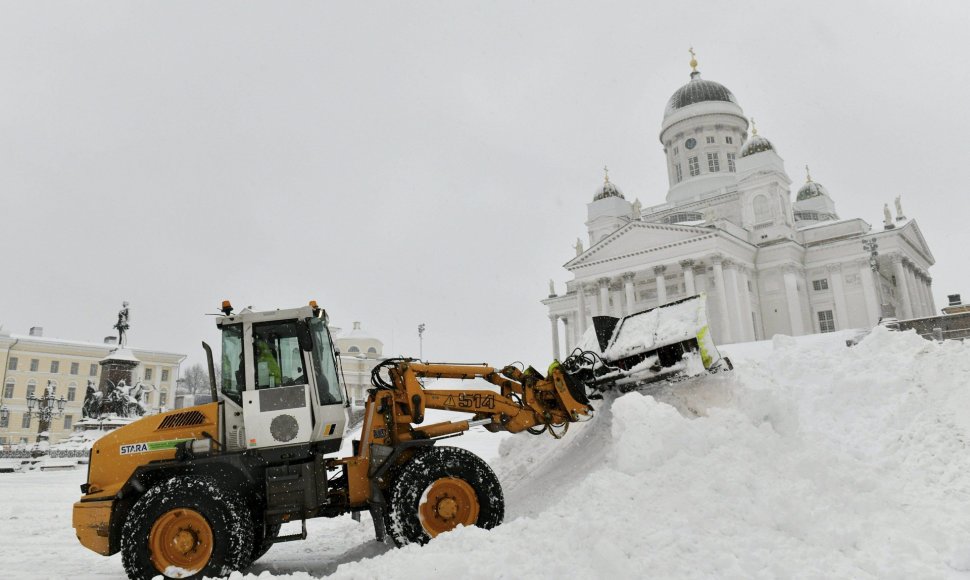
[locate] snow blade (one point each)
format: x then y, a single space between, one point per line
667 342
604 327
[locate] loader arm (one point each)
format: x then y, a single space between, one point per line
394 413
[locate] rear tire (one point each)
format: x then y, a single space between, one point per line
186 527
438 490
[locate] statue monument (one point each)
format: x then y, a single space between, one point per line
900 216
887 217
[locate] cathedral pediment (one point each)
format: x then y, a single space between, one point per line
912 234
637 238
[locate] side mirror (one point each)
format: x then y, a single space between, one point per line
303 335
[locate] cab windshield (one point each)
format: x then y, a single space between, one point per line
325 368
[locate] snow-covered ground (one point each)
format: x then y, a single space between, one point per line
811 460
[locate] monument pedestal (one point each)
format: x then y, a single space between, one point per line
118 366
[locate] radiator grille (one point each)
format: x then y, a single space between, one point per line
186 419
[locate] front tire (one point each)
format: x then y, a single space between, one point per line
186 527
440 489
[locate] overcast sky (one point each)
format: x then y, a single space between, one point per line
411 162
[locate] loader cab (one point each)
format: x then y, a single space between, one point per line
280 384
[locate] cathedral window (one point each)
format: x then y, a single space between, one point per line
710 140
729 140
819 285
762 209
713 163
826 322
694 166
730 158
680 173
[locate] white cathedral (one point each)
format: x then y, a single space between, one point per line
729 229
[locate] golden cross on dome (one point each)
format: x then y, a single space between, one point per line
754 130
606 174
808 175
693 59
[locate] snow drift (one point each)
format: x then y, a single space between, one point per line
811 460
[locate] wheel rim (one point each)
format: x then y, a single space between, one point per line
181 538
446 504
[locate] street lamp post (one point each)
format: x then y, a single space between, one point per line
421 341
45 408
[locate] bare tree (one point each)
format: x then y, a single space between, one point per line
195 380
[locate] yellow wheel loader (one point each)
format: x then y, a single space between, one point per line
204 491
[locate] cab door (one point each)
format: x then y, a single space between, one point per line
277 410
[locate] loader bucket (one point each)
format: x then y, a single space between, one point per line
659 343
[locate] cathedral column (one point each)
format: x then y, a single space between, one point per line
566 329
924 295
604 309
616 290
688 267
838 293
914 294
906 304
661 280
734 301
581 309
928 286
873 308
631 296
554 322
721 298
794 303
746 309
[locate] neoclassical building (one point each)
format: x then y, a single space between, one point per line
32 362
730 228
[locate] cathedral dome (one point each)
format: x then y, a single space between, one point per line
756 144
607 189
811 188
698 90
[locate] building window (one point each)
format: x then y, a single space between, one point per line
75 367
94 369
713 164
694 166
162 398
34 365
25 421
710 139
682 216
353 349
68 420
12 363
680 173
762 209
372 350
819 285
55 367
826 322
5 421
31 388
164 375
71 393
730 158
148 374
729 140
8 389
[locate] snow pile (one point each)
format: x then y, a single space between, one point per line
811 460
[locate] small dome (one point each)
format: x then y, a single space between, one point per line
810 189
756 144
698 90
607 189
